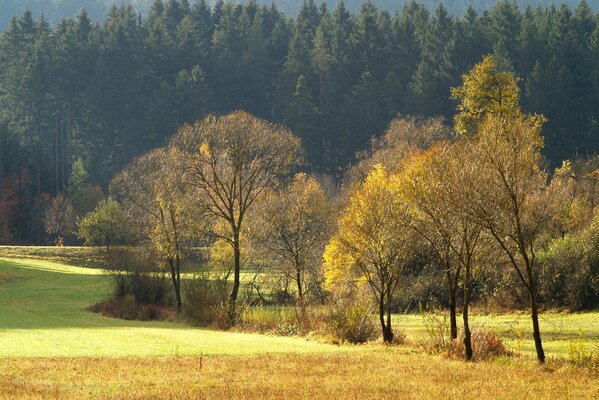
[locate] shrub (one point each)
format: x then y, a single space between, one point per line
436 324
399 337
485 346
145 288
126 308
352 322
284 321
204 301
581 356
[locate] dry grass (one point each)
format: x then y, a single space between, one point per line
372 374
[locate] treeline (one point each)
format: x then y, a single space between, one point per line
101 93
97 9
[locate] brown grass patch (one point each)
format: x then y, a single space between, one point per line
375 374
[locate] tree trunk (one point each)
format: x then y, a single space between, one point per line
236 280
389 335
467 333
452 308
178 285
385 327
536 329
298 280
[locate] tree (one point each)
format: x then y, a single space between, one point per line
59 219
230 161
106 225
506 194
154 196
507 197
293 226
485 90
404 137
433 184
373 241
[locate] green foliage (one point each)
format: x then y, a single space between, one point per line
79 94
570 273
106 225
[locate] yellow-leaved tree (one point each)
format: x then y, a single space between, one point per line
506 188
372 242
485 90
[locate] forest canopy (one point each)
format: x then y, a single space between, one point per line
80 99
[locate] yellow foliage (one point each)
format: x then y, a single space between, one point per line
485 90
372 237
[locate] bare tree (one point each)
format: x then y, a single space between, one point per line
230 161
59 219
293 224
433 184
153 194
507 196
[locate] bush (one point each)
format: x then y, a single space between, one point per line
126 308
581 356
485 346
436 324
145 288
352 322
284 321
204 301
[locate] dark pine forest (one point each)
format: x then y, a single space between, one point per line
80 99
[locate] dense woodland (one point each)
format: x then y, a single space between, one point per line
80 99
54 10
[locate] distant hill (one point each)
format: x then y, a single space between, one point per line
97 9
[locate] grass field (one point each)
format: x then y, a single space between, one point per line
51 347
42 314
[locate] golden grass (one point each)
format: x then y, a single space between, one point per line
371 374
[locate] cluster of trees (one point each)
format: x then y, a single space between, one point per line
103 93
483 192
467 201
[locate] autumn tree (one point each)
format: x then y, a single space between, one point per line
403 137
106 225
293 222
230 161
373 241
506 192
153 195
486 89
433 183
509 199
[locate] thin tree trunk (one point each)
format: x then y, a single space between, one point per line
536 329
300 290
178 285
467 333
382 317
236 280
452 307
385 327
390 335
